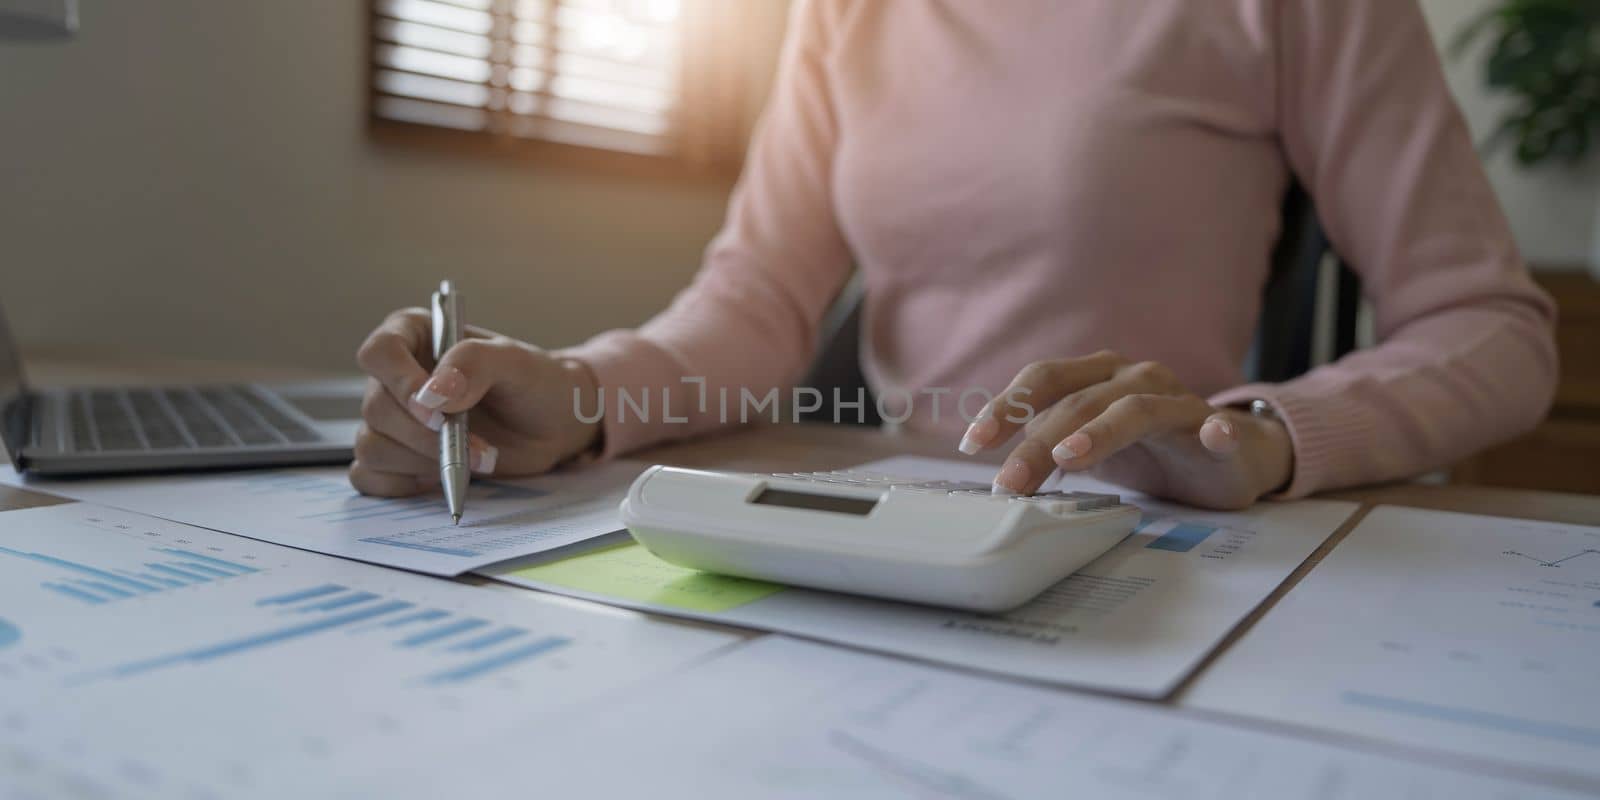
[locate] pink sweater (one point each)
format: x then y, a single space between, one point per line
1042 179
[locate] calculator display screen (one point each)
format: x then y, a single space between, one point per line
815 502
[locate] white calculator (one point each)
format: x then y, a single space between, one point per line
946 543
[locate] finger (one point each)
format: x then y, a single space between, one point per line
1030 462
468 371
384 484
383 414
420 455
1219 435
383 454
1039 385
396 351
1125 422
515 454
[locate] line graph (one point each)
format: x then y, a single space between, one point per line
1555 563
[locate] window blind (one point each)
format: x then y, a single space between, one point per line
595 73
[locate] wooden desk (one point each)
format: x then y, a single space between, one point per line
816 447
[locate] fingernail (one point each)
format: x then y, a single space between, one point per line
440 388
1013 476
978 434
485 459
1074 446
1218 436
435 421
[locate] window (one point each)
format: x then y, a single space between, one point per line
653 79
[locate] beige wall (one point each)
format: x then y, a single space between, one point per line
192 178
1554 209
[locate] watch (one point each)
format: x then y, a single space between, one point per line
1263 409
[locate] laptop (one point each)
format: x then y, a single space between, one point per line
111 429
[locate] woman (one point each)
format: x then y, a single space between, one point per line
1026 183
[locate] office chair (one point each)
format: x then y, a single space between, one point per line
1285 332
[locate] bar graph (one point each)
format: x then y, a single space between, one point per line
478 669
420 616
304 594
445 631
266 638
490 640
1174 535
95 586
332 607
280 680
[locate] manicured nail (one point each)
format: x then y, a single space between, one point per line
485 459
1013 476
1074 446
435 421
978 434
440 388
1218 436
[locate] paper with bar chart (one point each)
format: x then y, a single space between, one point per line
1471 634
139 656
848 725
316 509
1137 620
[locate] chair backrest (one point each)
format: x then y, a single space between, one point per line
1285 334
838 361
1286 330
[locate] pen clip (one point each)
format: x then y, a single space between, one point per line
446 319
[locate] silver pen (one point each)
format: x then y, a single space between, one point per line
453 468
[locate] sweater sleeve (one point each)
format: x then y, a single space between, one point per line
748 321
1466 356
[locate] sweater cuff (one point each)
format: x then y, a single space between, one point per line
623 362
1329 436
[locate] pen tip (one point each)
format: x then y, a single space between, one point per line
455 519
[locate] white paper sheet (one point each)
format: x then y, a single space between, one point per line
781 718
315 509
1455 632
1135 621
140 657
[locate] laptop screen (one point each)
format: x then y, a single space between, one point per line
14 422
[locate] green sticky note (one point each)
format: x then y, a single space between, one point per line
630 572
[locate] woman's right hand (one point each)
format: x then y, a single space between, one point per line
523 419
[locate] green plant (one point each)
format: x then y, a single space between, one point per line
1546 53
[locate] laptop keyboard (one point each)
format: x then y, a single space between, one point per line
180 418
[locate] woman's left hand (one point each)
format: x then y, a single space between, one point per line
1133 424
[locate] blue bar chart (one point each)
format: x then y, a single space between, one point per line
94 585
478 669
331 607
1182 537
241 668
